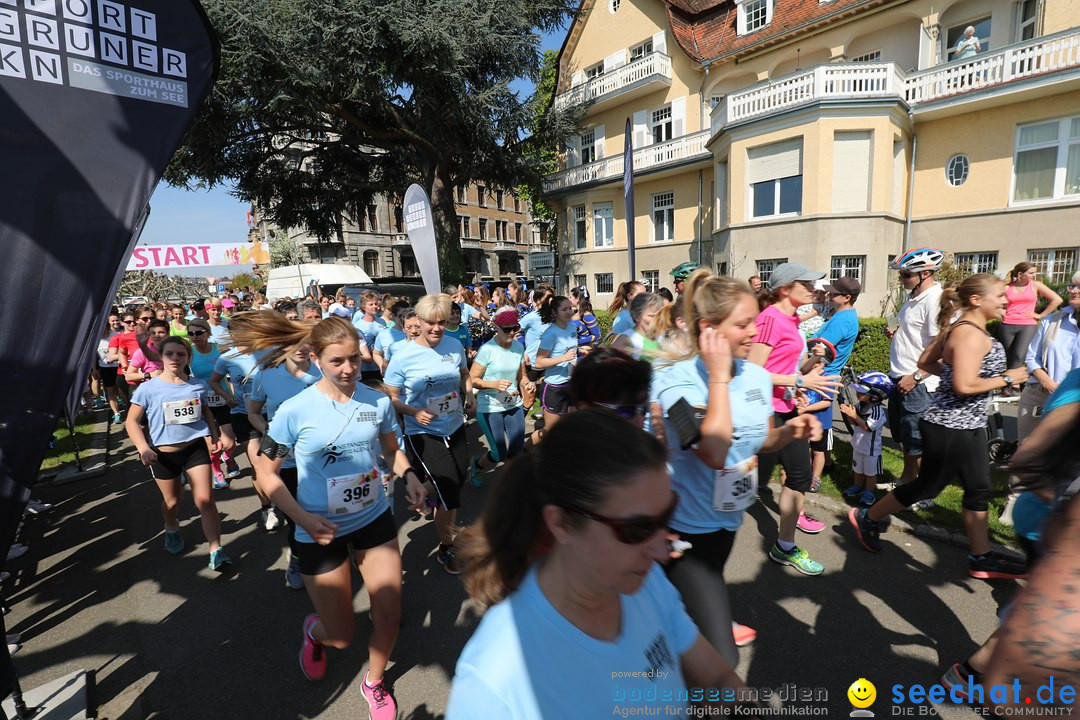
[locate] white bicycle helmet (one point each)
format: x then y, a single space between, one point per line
918 259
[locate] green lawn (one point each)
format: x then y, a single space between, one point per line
64 453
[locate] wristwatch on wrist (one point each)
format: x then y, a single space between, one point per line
799 381
1008 380
146 376
917 376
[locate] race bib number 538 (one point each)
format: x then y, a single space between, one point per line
182 412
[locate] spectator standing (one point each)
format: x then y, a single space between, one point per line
1021 320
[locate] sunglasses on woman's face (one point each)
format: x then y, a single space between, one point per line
633 531
628 411
129 322
510 328
905 275
147 318
196 333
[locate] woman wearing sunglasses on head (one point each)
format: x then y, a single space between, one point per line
611 379
718 416
204 355
567 554
499 373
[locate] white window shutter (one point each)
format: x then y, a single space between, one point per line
641 129
615 60
772 162
577 78
659 42
678 117
851 171
573 158
598 143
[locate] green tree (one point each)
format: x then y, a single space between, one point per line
149 284
284 250
543 153
322 103
242 280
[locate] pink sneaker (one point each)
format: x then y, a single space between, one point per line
381 703
743 635
809 524
312 654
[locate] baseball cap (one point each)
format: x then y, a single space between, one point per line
226 302
507 317
339 310
844 286
787 273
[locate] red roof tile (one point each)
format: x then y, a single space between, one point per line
705 29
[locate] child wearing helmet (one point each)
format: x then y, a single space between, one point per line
868 419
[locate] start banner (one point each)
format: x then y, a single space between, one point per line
171 257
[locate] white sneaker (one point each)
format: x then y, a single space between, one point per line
17 551
924 504
270 519
36 506
13 648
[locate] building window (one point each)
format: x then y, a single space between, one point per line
774 173
639 51
373 218
661 124
1047 164
580 227
466 230
982 32
847 266
1056 266
517 233
517 204
588 147
595 71
874 56
483 229
605 282
461 195
603 224
613 5
765 268
651 280
663 217
371 263
481 196
408 266
956 170
753 15
399 219
499 199
972 263
1026 19
579 281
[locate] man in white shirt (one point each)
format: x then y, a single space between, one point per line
917 326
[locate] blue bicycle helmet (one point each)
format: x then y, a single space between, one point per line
877 385
918 259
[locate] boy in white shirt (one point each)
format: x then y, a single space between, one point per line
868 420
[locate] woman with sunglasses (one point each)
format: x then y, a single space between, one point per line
147 364
499 373
567 553
717 475
780 348
204 354
182 433
556 356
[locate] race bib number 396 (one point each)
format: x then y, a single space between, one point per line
348 494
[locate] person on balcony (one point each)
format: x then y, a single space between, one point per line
968 45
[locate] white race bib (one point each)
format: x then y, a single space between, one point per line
508 397
348 494
444 405
182 412
216 400
735 487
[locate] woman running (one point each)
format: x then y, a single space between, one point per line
141 367
179 422
532 328
392 333
588 327
499 373
177 323
336 429
620 306
640 341
556 356
716 475
368 326
430 386
567 554
219 325
406 330
204 354
971 365
109 369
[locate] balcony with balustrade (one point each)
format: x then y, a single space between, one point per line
640 77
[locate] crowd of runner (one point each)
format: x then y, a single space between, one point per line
648 445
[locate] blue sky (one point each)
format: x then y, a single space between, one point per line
181 216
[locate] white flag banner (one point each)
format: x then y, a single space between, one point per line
420 226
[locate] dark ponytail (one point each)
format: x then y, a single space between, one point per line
549 306
563 470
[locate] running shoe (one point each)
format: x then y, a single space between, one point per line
218 559
796 558
923 504
815 484
274 519
220 483
13 648
852 491
174 542
957 677
381 704
231 469
809 524
293 579
868 498
17 551
992 566
474 472
743 635
448 560
268 519
117 419
312 654
4 575
36 507
867 530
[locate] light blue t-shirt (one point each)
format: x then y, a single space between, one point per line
238 366
623 322
386 338
527 662
559 341
532 327
274 385
698 484
337 447
219 333
202 366
368 332
172 413
430 379
1068 392
841 330
499 364
462 335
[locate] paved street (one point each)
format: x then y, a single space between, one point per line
169 639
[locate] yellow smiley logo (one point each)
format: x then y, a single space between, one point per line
862 693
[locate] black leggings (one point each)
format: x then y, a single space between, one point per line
948 453
291 478
1016 339
795 459
699 577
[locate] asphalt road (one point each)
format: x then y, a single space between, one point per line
167 638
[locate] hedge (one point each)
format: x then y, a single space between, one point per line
871 351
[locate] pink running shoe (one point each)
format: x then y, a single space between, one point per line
809 524
743 635
381 705
312 654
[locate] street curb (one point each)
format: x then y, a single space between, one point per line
95 456
921 529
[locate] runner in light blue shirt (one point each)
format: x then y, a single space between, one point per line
367 324
499 372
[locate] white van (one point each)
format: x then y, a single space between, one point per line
294 280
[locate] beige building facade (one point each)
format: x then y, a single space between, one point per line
836 134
